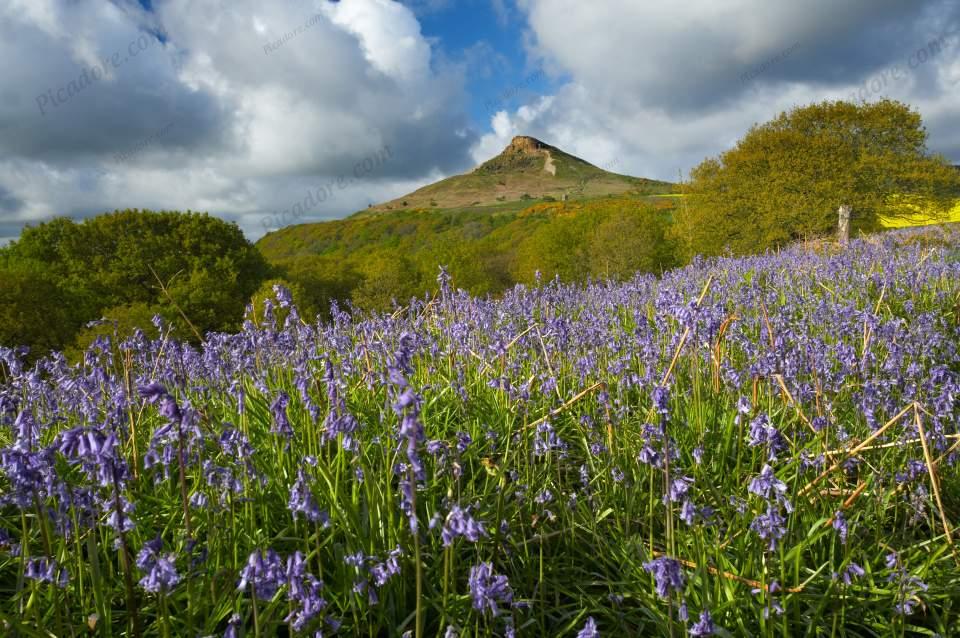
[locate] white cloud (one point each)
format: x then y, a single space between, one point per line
389 36
654 88
255 125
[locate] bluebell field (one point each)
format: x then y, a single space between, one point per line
755 446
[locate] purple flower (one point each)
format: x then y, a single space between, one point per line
661 400
169 409
161 575
688 512
463 442
407 406
546 439
766 485
698 454
303 589
487 588
840 524
544 497
152 392
704 626
382 572
233 627
770 525
355 560
666 574
303 502
281 423
589 629
908 586
762 432
460 523
678 489
264 572
851 572
46 570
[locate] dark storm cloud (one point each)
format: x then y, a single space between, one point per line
9 204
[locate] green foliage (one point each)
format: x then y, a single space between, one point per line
34 311
388 278
376 260
786 179
121 322
197 270
256 309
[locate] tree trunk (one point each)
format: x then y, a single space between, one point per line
843 226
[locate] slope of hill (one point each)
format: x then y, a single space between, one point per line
526 169
372 259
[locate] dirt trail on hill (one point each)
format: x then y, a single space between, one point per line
548 165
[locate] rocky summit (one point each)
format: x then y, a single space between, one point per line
526 169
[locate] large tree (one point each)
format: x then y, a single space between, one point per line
786 179
195 269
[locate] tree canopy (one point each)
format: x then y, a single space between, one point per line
113 265
786 179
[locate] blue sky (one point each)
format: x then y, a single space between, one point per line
489 37
243 107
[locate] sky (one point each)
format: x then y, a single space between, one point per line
243 108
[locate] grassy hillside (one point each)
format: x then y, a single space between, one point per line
373 259
527 169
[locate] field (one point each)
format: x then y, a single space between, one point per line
758 446
921 220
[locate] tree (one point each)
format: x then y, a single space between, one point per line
786 179
207 268
629 240
118 324
256 309
388 278
34 312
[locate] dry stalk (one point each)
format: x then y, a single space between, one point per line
884 446
686 333
934 483
718 349
555 412
793 402
849 500
855 449
729 576
546 357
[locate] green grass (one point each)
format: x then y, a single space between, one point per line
579 553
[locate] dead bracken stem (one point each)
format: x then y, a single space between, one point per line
546 357
718 349
791 401
728 575
884 446
934 483
686 333
849 501
855 449
553 413
166 293
766 322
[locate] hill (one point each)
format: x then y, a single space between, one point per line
373 259
526 169
531 209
